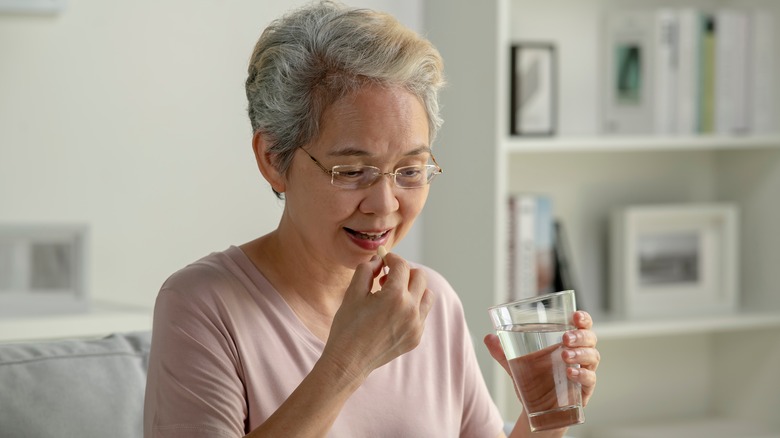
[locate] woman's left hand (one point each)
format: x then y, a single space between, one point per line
580 348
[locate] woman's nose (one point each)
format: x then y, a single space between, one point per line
381 197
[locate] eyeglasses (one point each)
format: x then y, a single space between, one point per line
360 176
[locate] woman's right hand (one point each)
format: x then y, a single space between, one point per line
371 329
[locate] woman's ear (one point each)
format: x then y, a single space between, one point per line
265 163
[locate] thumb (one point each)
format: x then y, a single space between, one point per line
493 345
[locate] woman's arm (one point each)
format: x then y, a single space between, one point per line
356 347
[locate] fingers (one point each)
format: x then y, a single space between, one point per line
363 279
581 350
586 378
582 320
581 343
403 278
588 358
426 303
398 278
579 338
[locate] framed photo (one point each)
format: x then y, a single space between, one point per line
42 269
674 260
533 88
628 64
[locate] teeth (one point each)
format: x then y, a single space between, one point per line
370 236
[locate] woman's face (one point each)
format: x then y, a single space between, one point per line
382 127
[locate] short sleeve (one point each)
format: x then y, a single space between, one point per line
479 416
194 388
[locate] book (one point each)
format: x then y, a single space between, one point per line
762 106
687 71
522 277
530 247
666 71
545 246
731 72
707 53
564 277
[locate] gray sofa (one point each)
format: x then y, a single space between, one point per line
74 388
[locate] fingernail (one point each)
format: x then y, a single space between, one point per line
374 258
570 337
569 354
574 372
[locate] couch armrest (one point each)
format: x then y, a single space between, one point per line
79 388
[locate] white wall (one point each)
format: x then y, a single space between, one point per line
130 116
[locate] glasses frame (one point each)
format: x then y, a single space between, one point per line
332 172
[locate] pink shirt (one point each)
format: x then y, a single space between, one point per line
227 350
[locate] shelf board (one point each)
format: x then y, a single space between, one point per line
517 145
102 319
616 329
692 428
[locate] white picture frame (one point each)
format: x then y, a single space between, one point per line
533 87
43 269
674 260
629 62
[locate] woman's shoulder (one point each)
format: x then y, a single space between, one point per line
214 273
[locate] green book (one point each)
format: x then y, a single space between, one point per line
706 123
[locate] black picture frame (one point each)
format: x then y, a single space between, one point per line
534 93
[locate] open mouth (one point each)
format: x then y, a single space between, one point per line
367 236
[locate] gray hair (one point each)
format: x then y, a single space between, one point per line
311 57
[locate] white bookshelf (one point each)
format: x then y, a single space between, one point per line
618 329
518 145
663 374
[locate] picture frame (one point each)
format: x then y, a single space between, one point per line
674 260
43 269
533 89
628 82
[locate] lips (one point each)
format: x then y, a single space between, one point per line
373 236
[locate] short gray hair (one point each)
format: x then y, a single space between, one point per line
311 57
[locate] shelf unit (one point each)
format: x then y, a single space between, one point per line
553 145
617 329
660 371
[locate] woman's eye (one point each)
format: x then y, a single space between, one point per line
409 172
352 173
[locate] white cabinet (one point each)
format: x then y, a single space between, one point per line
670 372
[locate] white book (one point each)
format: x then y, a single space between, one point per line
666 66
526 245
524 258
731 68
688 71
544 229
762 74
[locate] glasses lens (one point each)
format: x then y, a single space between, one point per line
359 177
354 177
415 176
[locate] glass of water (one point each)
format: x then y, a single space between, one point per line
531 332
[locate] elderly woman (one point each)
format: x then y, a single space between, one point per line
305 331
